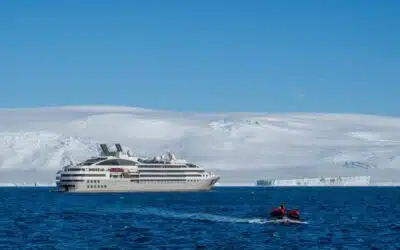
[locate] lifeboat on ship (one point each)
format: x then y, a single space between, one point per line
116 170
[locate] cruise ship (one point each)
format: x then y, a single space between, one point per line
121 172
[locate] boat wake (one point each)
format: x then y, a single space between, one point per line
286 221
205 217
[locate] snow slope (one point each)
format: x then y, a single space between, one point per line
239 146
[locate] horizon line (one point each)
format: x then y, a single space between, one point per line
143 109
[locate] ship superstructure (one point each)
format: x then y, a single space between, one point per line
122 172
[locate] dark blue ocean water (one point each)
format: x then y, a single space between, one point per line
225 218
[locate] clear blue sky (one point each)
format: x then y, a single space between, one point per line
259 56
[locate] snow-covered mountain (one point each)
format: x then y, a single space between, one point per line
239 146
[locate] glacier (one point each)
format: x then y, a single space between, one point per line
241 147
31 184
315 182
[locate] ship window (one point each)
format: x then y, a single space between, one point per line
112 162
124 162
190 165
75 169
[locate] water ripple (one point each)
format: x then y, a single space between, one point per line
228 218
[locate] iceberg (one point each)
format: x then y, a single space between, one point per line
321 181
26 184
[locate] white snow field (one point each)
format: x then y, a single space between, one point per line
241 147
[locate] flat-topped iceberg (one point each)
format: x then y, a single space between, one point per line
321 181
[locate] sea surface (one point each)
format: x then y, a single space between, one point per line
224 218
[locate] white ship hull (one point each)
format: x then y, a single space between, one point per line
115 186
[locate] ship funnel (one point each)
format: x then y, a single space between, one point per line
118 146
104 149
